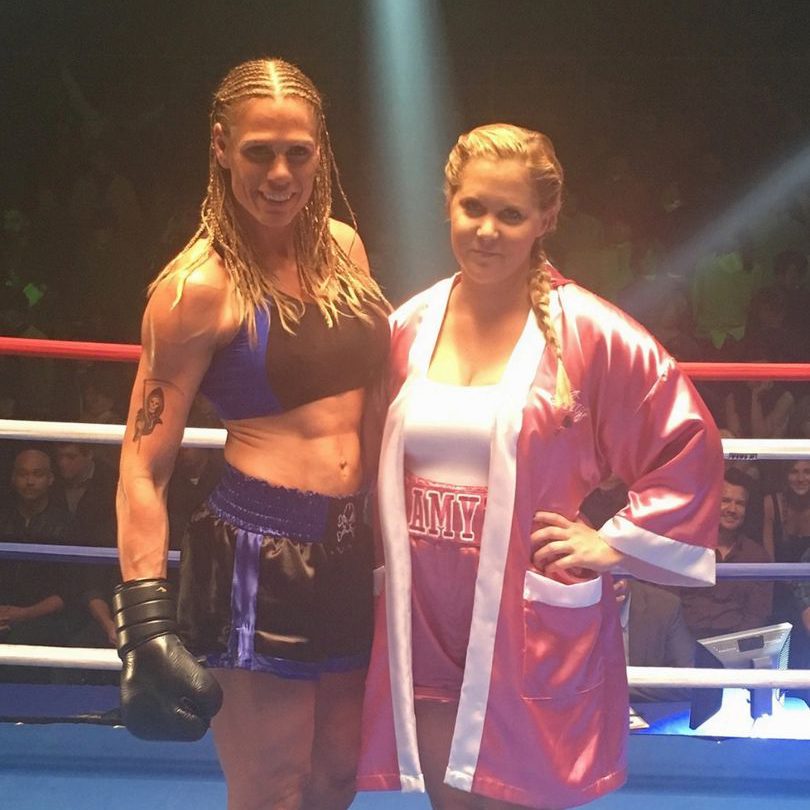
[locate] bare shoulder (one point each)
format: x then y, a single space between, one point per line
191 303
350 242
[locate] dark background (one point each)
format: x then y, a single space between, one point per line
669 84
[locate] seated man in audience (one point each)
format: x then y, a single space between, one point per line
655 634
32 592
731 605
87 487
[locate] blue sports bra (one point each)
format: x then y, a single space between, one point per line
282 371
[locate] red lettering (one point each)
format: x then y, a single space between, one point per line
468 504
440 514
416 521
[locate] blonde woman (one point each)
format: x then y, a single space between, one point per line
271 313
497 677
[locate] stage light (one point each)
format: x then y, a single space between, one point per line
414 126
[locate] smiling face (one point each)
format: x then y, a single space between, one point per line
798 477
271 154
495 221
733 502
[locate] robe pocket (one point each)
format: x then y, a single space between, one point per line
561 626
378 581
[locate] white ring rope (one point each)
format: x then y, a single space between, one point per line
765 449
698 678
24 429
668 677
27 655
660 677
87 432
100 555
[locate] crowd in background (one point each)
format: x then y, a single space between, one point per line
644 225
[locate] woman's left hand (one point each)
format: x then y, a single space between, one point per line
569 551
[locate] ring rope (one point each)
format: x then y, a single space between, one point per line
669 677
95 555
88 432
105 555
697 678
746 371
129 352
70 349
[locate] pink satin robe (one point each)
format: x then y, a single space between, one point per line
543 718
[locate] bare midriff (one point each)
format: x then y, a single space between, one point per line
315 447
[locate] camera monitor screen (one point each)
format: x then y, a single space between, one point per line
759 648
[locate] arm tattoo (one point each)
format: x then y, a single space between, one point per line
148 416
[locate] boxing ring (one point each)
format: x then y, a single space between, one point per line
61 746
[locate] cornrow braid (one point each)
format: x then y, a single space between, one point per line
535 150
326 273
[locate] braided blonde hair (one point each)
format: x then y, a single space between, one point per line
535 150
327 275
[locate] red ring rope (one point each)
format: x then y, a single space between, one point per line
129 352
70 349
747 371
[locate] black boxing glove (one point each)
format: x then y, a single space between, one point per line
166 694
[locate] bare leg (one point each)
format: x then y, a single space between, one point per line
339 700
263 736
434 727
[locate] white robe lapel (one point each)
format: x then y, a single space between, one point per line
394 524
515 386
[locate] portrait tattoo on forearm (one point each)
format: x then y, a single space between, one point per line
148 417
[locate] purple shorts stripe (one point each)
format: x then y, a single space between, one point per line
293 670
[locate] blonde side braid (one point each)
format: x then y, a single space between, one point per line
540 295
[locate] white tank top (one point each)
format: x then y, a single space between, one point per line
447 431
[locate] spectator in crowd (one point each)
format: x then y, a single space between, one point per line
790 276
99 396
32 592
799 426
779 312
722 286
731 605
577 231
672 324
87 487
787 537
753 525
759 409
800 637
655 634
103 189
612 265
623 192
787 514
768 333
